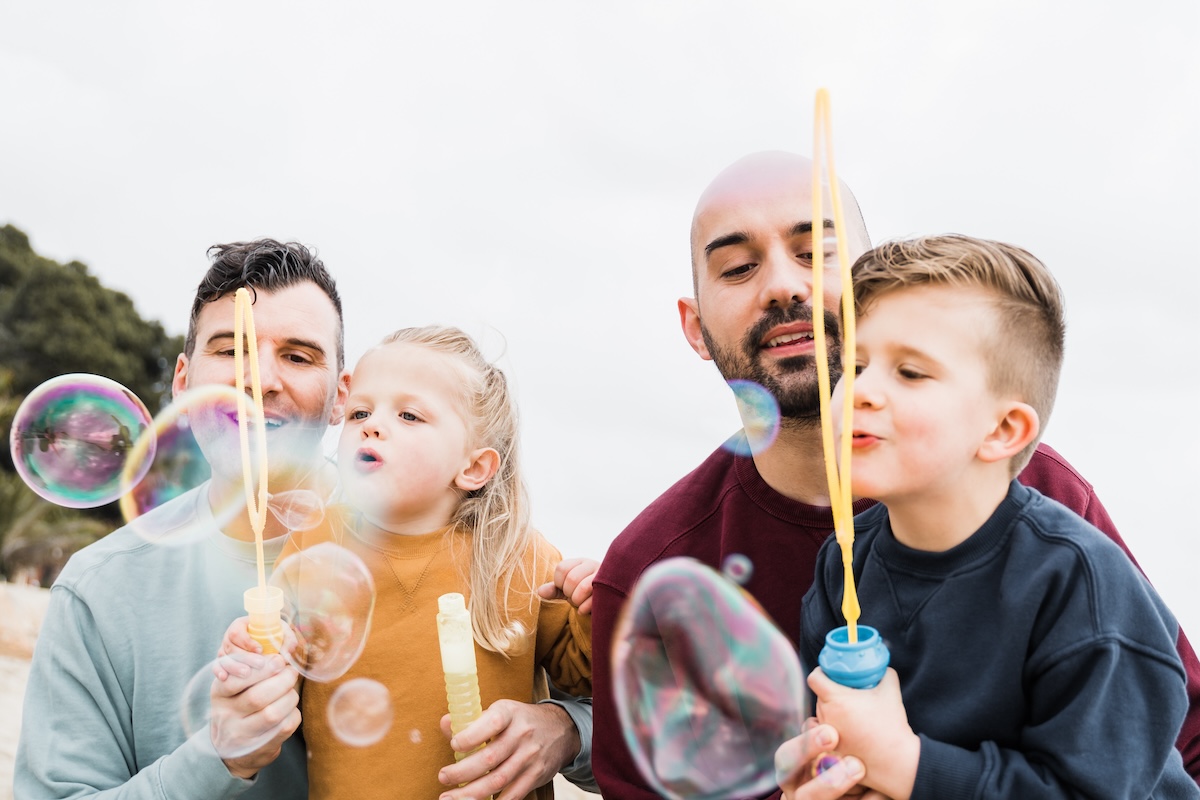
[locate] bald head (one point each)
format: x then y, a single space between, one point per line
769 190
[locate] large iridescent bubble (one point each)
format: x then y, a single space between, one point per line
72 435
328 600
706 686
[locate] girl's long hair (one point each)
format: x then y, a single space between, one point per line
497 515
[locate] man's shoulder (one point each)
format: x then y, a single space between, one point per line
1053 476
119 555
663 527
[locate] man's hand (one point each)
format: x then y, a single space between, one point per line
254 710
807 769
527 744
572 582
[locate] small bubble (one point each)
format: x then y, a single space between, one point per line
738 568
760 417
415 736
360 712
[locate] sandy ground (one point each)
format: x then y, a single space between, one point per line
22 609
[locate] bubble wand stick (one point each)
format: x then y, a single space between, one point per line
844 658
263 603
839 484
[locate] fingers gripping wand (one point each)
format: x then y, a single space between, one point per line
263 603
845 655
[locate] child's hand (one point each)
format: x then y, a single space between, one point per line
873 726
573 582
234 647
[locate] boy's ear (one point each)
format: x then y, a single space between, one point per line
479 470
1016 429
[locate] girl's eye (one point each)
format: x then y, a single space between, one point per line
408 416
360 414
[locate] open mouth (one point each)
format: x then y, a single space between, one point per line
788 338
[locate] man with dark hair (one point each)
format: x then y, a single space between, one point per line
753 236
136 615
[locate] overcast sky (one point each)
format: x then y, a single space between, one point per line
527 171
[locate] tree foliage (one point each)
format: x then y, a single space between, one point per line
58 318
55 319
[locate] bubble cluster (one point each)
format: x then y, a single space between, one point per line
706 685
737 568
760 417
360 712
72 435
328 600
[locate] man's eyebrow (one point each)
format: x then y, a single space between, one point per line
740 237
725 241
802 228
306 344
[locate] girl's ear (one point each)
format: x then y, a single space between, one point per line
482 465
1016 429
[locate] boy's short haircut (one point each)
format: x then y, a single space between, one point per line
1025 350
262 264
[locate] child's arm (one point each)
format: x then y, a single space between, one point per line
572 582
872 725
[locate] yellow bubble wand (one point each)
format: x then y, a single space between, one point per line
839 482
262 603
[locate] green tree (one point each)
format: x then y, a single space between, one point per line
55 319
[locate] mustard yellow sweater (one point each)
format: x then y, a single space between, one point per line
403 654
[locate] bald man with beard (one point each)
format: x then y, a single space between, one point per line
752 241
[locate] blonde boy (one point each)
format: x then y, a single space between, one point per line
1030 658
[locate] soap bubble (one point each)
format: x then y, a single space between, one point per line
71 436
360 712
706 685
737 568
328 600
196 707
760 417
297 509
156 474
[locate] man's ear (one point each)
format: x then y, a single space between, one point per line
1013 432
479 470
689 319
179 383
338 413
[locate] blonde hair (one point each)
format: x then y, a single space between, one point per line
1025 349
496 515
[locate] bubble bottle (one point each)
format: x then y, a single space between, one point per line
458 662
855 661
263 604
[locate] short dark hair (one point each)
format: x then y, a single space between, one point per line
262 264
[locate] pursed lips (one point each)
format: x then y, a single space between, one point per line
367 460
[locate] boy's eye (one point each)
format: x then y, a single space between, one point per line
910 374
858 369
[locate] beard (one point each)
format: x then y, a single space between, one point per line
791 381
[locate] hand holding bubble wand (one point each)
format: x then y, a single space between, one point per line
844 658
263 603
